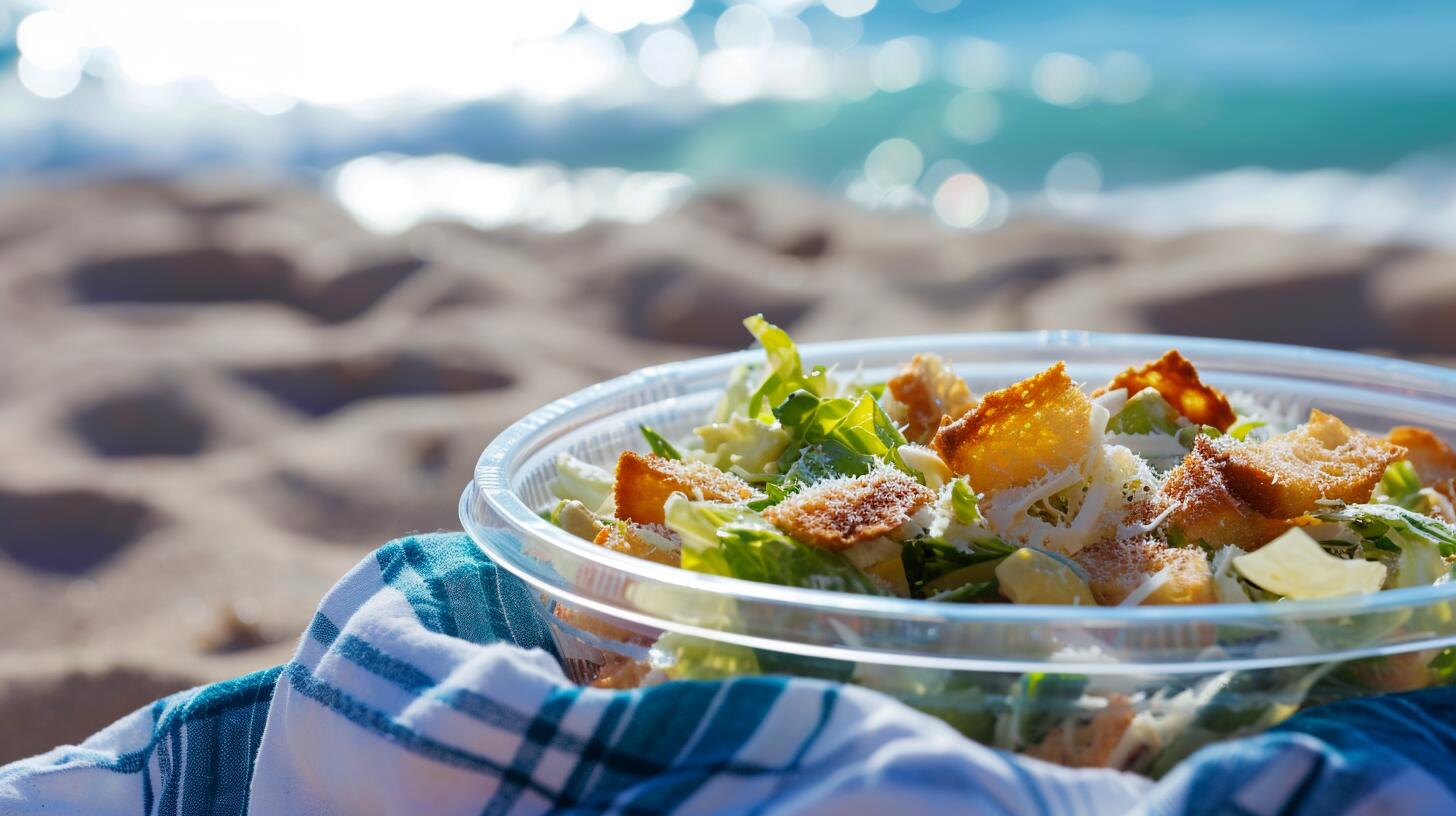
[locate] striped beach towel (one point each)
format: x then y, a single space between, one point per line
427 684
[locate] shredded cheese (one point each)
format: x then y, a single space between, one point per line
1149 585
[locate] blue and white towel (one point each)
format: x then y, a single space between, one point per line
426 684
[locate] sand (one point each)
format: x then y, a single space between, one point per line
217 395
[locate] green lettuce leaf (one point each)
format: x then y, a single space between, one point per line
695 658
750 445
1146 413
934 565
785 371
658 444
1420 543
581 481
736 395
1401 485
828 460
841 428
1241 430
726 540
964 504
972 592
1044 699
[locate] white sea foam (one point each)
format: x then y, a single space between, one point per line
1413 202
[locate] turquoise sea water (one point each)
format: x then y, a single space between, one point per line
1367 89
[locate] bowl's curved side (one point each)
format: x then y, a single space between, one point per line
601 420
1023 678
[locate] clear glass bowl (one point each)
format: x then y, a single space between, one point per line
1055 681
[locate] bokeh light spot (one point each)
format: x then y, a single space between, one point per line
973 117
49 40
668 57
547 18
656 12
48 83
893 163
1063 79
1074 181
850 8
728 76
613 16
977 64
899 64
962 200
743 26
1124 77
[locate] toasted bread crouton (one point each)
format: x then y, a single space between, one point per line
1116 567
929 389
1089 744
1433 459
1324 458
1020 433
595 624
637 540
644 483
621 672
1177 380
1407 671
1204 507
840 513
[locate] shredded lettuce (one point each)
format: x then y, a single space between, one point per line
1401 485
695 658
743 444
659 444
785 371
849 434
1147 413
1443 666
957 520
736 395
1040 700
971 592
1240 430
933 565
726 540
828 460
697 522
1377 521
582 481
1420 544
964 503
1189 434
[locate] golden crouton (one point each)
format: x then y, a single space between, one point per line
595 624
1433 459
1177 380
929 389
840 513
1018 434
1204 508
621 672
633 539
1407 671
645 482
1324 458
1116 567
1090 744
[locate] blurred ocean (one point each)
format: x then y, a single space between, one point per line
1303 115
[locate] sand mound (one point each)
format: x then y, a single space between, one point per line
217 395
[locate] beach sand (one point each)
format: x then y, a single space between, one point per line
217 395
